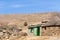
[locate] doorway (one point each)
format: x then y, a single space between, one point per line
38 31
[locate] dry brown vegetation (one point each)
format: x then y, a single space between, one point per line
19 19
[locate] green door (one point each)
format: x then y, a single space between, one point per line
32 30
38 31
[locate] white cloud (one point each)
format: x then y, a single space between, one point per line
17 5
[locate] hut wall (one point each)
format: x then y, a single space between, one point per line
50 31
35 32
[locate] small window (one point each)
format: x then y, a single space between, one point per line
45 28
32 30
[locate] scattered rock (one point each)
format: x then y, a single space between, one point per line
7 31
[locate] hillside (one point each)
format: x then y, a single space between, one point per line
21 18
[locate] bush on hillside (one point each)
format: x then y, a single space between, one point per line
25 24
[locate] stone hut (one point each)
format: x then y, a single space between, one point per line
51 28
46 28
34 30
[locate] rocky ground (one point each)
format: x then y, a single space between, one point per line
9 32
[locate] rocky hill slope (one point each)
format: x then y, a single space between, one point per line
9 21
21 18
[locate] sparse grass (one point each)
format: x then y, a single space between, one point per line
19 19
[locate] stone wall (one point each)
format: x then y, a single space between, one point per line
50 31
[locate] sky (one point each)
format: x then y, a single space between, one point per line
28 6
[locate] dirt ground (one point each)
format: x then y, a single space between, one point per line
38 38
